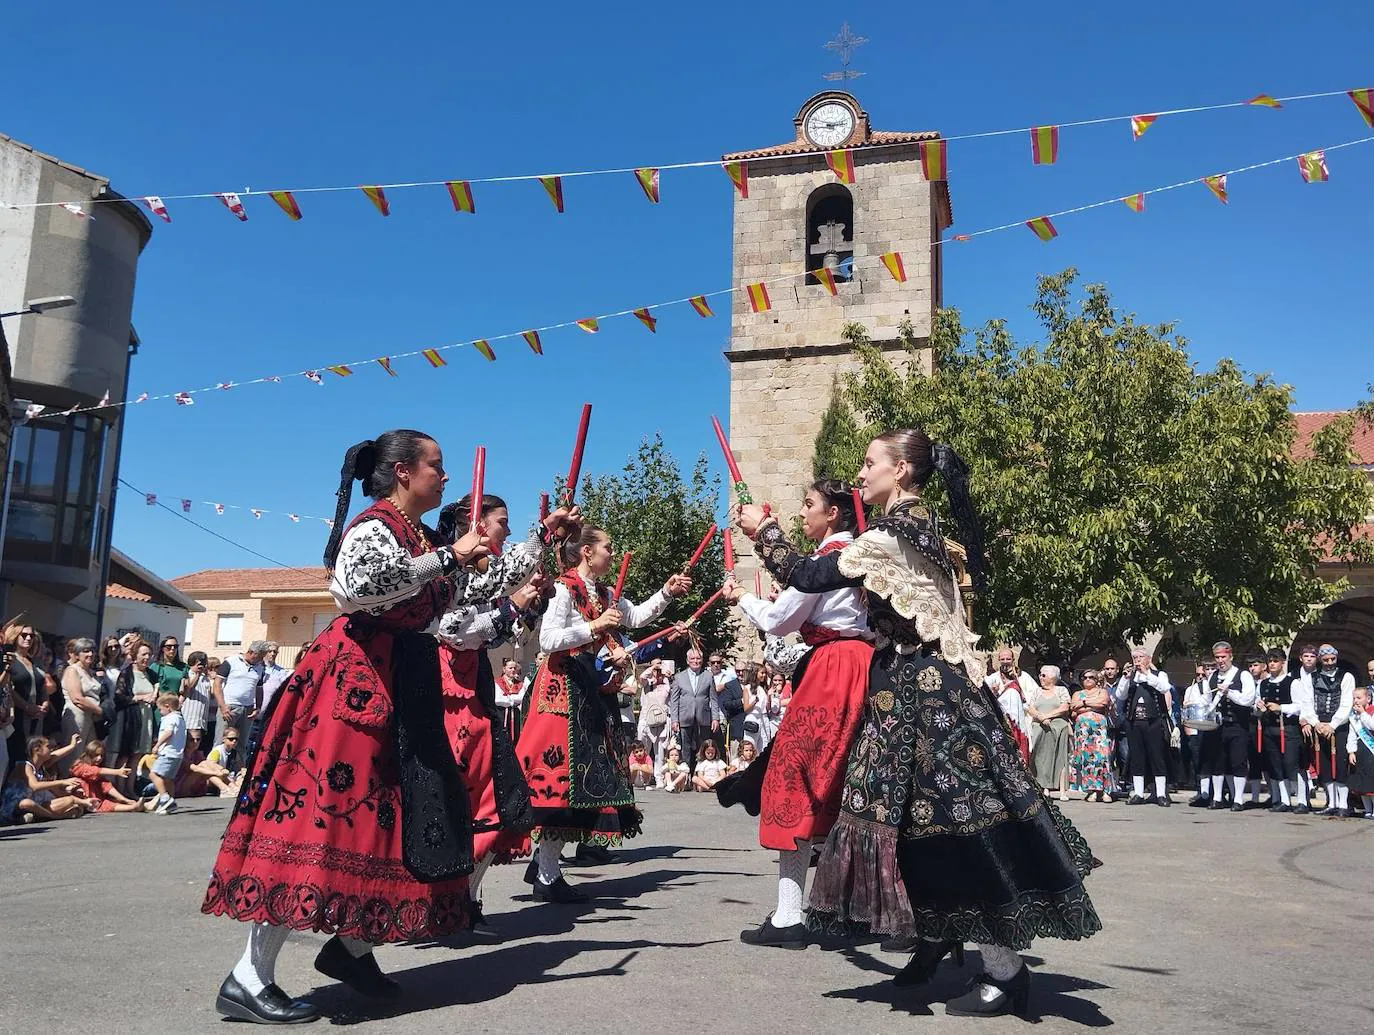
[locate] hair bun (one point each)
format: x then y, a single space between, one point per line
365 460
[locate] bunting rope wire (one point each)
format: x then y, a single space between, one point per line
314 372
1260 100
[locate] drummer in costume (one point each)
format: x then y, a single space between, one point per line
570 746
353 818
1333 693
1359 746
942 832
1280 702
794 787
1227 751
1147 704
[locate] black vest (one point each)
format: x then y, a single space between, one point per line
1276 691
1326 693
1143 703
1232 714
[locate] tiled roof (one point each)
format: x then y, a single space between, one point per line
1311 422
114 589
802 147
252 580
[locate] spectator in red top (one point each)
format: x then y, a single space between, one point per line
95 781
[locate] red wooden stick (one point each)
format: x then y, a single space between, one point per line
479 474
860 523
575 466
543 506
736 481
729 553
758 584
620 582
709 601
701 548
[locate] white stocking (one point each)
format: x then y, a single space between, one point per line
1304 788
475 881
1161 787
1283 791
258 967
999 963
549 870
1218 787
1342 795
1138 786
1237 790
792 867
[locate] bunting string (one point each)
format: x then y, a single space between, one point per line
187 504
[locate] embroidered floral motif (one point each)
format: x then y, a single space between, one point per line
339 777
386 815
554 756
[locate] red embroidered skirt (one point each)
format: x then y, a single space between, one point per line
315 840
469 731
800 796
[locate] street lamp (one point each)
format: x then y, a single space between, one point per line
43 305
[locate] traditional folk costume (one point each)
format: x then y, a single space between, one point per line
1012 695
354 817
794 786
1333 694
1281 737
510 699
1226 749
1146 711
1360 743
935 789
571 747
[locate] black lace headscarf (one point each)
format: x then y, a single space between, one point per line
373 463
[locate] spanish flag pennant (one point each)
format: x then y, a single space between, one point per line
554 185
1364 100
1263 100
643 316
1313 167
935 159
157 208
385 364
1136 202
648 182
378 197
758 297
340 369
484 347
739 176
532 340
895 266
1140 123
700 304
827 279
1217 185
460 193
435 360
841 164
589 325
1042 228
1044 144
287 201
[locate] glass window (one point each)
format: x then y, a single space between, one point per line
55 491
190 626
42 479
229 631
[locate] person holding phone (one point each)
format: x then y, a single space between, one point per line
195 695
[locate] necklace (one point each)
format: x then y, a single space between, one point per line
419 533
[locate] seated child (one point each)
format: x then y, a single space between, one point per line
641 766
673 778
95 783
34 792
746 755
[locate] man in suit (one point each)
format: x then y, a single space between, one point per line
730 698
693 707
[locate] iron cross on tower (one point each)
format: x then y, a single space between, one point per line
844 45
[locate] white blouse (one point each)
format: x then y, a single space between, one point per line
374 572
839 610
565 629
470 622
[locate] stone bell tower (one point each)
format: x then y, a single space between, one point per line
797 217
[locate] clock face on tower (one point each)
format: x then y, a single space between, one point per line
829 124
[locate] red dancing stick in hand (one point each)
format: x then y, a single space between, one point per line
620 581
701 548
736 479
575 466
860 523
695 615
729 553
479 474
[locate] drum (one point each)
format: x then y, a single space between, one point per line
1200 717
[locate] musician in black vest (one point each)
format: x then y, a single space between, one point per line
1333 694
1235 690
1147 703
1280 702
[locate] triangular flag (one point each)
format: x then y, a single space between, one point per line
739 176
1136 202
648 182
219 508
385 364
296 518
589 325
1140 123
935 159
287 201
1364 101
184 399
435 360
646 319
758 297
1313 167
224 385
699 303
340 369
532 340
150 498
460 193
895 266
76 210
554 185
1263 100
186 506
142 397
826 278
104 400
71 409
274 379
255 512
329 523
841 164
1042 227
484 347
234 205
1044 144
32 410
157 208
378 197
314 376
1217 185
961 237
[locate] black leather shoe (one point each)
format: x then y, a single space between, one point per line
480 926
1329 811
1219 805
1301 810
792 936
925 960
559 891
1280 808
270 1006
1200 802
1238 807
900 944
532 872
1136 799
1013 996
1163 802
592 855
359 973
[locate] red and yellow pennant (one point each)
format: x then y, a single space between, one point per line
647 319
1364 101
340 369
961 237
554 186
1042 228
1140 123
460 193
385 364
1044 144
1217 185
1312 166
935 159
758 297
699 303
484 347
895 266
287 201
589 325
827 279
648 182
532 340
378 197
435 360
841 164
1135 202
1263 100
739 176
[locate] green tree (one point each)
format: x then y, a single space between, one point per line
1122 490
650 509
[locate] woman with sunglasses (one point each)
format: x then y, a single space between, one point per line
30 687
168 668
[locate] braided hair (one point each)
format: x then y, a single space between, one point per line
372 462
455 518
839 495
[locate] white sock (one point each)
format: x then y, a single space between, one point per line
1304 788
1330 787
1138 786
1237 790
1283 792
357 948
258 967
792 867
1218 786
549 870
1342 795
1161 787
475 881
1000 964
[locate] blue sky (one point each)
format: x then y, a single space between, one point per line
169 98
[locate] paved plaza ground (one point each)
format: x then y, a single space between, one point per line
1214 923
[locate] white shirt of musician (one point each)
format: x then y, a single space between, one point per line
1342 713
1239 686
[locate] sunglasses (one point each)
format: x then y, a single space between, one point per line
25 636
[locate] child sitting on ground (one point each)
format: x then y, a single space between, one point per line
95 781
746 755
170 746
641 766
673 779
34 792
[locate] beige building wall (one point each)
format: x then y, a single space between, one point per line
290 622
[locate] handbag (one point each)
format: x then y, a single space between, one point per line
655 714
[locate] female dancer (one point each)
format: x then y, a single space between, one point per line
571 747
353 818
935 791
795 787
